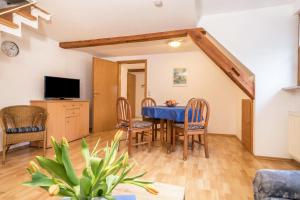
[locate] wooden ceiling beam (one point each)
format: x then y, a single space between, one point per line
237 75
136 70
127 39
200 38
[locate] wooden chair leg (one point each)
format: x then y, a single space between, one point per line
206 146
150 138
185 146
173 139
44 147
200 141
155 132
161 132
4 155
129 142
192 143
137 138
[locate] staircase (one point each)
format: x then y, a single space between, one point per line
12 20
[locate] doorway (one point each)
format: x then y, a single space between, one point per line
133 83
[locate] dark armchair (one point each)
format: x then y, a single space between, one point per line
276 185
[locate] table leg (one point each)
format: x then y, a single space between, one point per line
162 132
169 135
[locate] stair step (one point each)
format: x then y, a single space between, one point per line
8 23
26 15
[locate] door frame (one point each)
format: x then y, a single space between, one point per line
143 61
251 125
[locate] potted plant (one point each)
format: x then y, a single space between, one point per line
99 177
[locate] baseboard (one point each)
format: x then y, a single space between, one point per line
274 158
222 134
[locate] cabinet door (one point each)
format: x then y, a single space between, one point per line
72 128
84 119
55 122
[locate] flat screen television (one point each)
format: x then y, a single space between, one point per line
61 88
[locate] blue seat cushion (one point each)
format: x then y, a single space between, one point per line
25 129
136 124
191 127
141 124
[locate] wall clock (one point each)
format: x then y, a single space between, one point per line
9 48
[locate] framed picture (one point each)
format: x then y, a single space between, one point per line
179 77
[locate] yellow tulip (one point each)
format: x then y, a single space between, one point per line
33 167
151 190
53 190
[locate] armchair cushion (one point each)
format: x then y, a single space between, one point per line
276 184
25 129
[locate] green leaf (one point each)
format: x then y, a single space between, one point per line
85 186
110 182
57 150
68 165
135 177
96 164
54 168
85 151
95 151
39 180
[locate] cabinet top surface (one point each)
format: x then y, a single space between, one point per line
60 101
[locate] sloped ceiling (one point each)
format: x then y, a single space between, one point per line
90 19
210 7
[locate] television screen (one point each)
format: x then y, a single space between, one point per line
56 87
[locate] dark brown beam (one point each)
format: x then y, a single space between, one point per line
136 70
224 63
127 39
198 35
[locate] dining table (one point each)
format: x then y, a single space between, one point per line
164 113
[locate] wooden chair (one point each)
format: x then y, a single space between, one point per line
195 124
147 102
22 124
132 128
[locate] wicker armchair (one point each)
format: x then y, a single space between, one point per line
22 124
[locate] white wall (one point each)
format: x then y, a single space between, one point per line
265 40
205 80
22 77
139 92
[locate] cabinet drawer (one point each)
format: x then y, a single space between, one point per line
72 112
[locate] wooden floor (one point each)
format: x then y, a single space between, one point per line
227 174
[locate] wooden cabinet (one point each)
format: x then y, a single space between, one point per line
66 118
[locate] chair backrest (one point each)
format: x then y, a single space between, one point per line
124 115
23 116
196 113
147 102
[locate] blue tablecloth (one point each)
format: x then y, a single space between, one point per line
164 112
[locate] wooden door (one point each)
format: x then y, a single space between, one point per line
131 91
247 124
105 92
